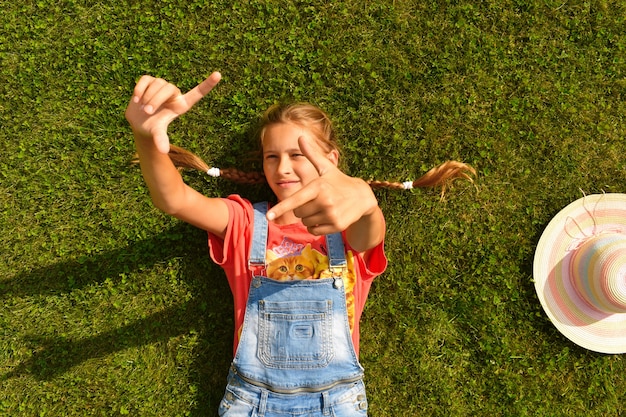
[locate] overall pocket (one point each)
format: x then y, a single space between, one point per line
295 334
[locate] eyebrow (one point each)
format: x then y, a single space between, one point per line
286 150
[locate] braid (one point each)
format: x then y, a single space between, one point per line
441 175
183 159
242 177
385 184
444 174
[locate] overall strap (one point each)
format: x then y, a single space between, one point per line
259 237
336 253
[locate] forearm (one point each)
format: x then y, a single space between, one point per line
367 232
161 176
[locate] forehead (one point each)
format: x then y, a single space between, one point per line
285 135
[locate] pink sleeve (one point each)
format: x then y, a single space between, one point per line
232 255
375 264
377 261
367 271
235 241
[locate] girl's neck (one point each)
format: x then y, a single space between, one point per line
287 218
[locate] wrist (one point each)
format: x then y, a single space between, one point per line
370 202
144 142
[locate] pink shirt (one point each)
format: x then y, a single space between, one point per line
292 253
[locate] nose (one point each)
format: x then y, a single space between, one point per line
284 165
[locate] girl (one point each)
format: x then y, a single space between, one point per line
299 271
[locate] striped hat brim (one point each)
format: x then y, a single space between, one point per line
573 315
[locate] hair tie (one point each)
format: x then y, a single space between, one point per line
213 172
407 185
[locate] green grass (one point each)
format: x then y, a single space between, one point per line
109 307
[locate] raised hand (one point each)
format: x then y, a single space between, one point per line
331 203
156 103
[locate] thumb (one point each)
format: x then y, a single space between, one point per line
160 137
162 142
320 161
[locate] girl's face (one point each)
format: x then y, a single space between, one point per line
286 169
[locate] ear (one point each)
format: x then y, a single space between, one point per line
270 256
333 156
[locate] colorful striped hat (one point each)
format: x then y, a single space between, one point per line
580 272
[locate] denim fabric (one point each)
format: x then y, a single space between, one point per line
295 355
259 236
246 400
296 336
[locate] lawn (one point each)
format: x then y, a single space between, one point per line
111 308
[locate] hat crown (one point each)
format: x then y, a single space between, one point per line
598 272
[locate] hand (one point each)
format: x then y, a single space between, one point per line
156 103
332 202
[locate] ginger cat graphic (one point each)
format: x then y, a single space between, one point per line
311 264
307 265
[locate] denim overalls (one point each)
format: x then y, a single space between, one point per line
295 355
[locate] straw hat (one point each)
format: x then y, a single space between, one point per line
580 272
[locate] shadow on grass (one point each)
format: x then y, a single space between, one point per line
56 355
66 276
541 321
209 312
536 314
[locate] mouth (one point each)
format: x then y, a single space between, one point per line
287 183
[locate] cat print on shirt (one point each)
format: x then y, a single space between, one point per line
308 263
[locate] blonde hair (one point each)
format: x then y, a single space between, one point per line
319 124
305 115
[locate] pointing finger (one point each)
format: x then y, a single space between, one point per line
319 160
194 95
292 202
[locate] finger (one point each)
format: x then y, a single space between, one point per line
322 229
314 220
148 87
194 95
314 154
158 93
140 87
294 201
